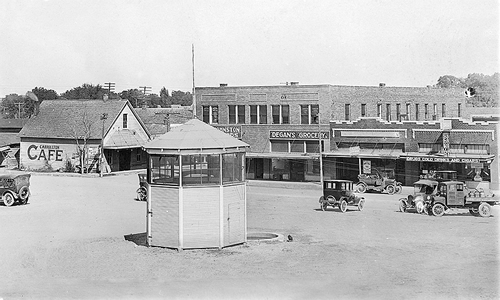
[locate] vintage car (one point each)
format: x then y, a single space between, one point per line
14 187
378 181
340 193
455 195
422 189
142 191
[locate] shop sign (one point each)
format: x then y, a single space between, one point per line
442 159
234 131
446 142
299 135
45 152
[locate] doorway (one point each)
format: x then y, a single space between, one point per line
124 160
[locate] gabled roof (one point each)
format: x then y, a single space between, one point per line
194 134
64 118
7 138
13 123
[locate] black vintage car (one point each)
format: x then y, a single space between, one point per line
340 193
14 187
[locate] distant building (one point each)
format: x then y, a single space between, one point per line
286 124
49 140
10 141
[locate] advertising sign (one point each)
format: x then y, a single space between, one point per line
45 152
234 131
442 159
298 135
367 167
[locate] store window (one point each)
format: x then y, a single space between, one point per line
279 146
363 110
281 114
309 114
236 114
313 146
388 112
211 114
297 146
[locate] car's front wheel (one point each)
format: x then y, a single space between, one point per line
8 199
24 194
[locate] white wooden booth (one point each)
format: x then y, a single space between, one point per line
196 188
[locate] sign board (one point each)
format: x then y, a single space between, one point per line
367 167
298 135
446 143
442 159
234 131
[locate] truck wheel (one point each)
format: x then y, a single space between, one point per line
420 207
361 204
438 209
402 205
8 199
361 188
474 211
399 189
484 209
390 189
343 205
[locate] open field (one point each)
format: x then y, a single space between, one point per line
82 238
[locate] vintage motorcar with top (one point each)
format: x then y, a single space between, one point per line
340 193
378 181
14 187
421 189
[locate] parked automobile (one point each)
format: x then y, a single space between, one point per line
14 187
142 191
421 189
340 193
379 182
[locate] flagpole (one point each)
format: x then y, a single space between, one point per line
194 96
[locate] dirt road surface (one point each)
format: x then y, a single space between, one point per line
82 238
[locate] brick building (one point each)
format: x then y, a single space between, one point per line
284 125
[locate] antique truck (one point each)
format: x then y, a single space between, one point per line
455 195
340 193
378 182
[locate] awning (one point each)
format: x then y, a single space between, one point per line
124 139
365 153
278 155
450 158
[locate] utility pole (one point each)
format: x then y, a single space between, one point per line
194 96
104 116
145 90
19 108
111 87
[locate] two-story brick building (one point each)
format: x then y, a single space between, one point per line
285 124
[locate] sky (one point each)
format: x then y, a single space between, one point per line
60 44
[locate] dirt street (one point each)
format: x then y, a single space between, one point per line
81 238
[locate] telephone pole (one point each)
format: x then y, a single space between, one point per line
145 91
110 87
19 109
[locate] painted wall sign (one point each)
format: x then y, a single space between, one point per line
443 159
367 167
299 135
234 131
45 152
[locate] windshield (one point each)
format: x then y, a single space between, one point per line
423 188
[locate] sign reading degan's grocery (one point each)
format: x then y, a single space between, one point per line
300 135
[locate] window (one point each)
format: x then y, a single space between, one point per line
258 114
200 169
164 170
309 114
443 110
313 146
125 121
363 110
388 112
459 110
398 112
236 114
347 111
426 111
279 146
297 146
416 112
435 113
281 114
379 110
408 111
477 149
232 167
429 148
211 114
138 155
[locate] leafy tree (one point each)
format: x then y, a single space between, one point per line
153 100
134 96
40 93
182 98
486 87
13 106
85 91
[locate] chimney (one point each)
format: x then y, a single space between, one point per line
382 84
223 84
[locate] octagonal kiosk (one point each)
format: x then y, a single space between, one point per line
196 188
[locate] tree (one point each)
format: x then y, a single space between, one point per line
81 131
85 91
13 106
182 98
134 96
40 93
486 87
165 97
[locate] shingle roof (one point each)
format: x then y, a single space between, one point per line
13 123
64 118
194 134
154 118
8 138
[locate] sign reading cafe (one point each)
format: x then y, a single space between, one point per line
45 152
299 135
